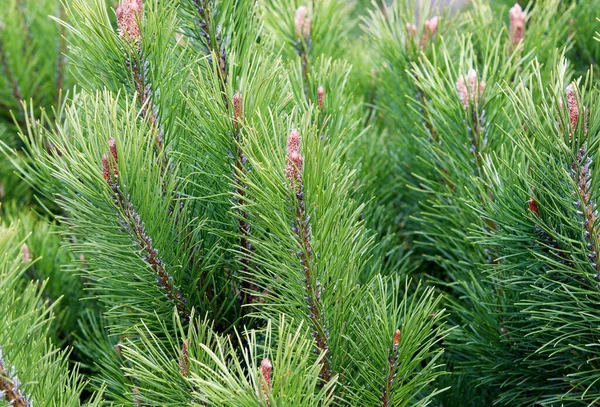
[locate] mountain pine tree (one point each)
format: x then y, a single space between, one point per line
299 203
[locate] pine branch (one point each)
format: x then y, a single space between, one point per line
470 91
302 25
210 34
131 220
129 14
580 171
240 189
302 230
214 43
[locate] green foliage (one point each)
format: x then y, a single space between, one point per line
286 203
32 370
545 242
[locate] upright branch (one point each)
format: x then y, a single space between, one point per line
580 171
131 220
302 229
302 25
392 369
429 32
129 15
470 91
244 227
10 387
215 45
205 23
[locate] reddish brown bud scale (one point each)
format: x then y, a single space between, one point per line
533 206
320 96
112 146
397 338
105 169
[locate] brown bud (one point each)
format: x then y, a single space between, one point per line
430 30
301 23
573 106
265 370
320 96
238 110
411 30
184 360
112 146
533 206
468 89
26 253
266 367
128 15
397 338
517 24
431 25
294 159
106 169
306 28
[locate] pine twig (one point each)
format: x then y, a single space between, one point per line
132 221
302 229
470 92
204 21
391 371
129 13
205 25
244 226
580 171
302 24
